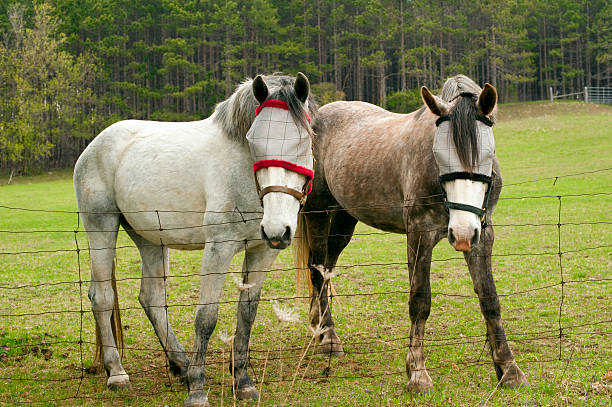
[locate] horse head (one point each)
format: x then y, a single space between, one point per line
280 140
464 150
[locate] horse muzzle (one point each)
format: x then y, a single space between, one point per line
464 239
277 238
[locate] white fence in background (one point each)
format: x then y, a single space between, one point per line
593 94
598 94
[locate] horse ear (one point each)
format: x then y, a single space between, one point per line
434 103
487 99
302 87
260 90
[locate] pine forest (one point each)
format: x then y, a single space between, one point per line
69 68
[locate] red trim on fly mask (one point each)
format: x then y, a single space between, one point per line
288 166
275 103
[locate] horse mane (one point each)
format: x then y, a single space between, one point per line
235 115
463 117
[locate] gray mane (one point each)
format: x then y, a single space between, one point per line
236 114
457 85
463 117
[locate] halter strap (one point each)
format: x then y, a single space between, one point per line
300 196
480 117
279 104
480 212
465 175
464 207
464 95
308 173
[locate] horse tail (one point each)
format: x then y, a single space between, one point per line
301 253
116 327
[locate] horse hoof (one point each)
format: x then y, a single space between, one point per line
330 344
420 382
247 393
333 349
119 383
420 388
196 399
514 378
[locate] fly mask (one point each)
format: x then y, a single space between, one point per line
450 167
276 140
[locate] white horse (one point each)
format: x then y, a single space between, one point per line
190 186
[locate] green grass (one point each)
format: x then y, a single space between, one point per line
40 356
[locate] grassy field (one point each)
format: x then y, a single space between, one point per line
41 358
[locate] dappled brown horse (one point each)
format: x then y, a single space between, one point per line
428 174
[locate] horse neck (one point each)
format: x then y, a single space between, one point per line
422 169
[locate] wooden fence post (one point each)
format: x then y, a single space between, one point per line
550 91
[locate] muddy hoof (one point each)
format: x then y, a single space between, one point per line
247 393
329 344
420 382
119 383
420 388
333 349
514 378
196 399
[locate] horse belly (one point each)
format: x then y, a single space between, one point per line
177 230
387 219
370 191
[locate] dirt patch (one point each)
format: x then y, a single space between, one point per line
15 347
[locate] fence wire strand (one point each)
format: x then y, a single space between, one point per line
560 337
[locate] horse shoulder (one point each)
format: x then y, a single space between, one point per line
95 167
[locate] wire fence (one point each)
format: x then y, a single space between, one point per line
291 357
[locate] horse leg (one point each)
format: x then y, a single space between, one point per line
155 264
216 260
479 264
340 233
420 247
257 262
321 322
101 293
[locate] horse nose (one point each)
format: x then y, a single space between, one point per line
464 241
278 238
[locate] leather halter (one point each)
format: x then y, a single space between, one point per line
480 212
299 195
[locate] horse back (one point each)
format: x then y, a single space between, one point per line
181 170
373 161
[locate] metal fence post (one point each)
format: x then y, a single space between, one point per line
586 94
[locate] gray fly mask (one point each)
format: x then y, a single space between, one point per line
450 167
276 140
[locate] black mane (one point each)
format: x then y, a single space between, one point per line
463 126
